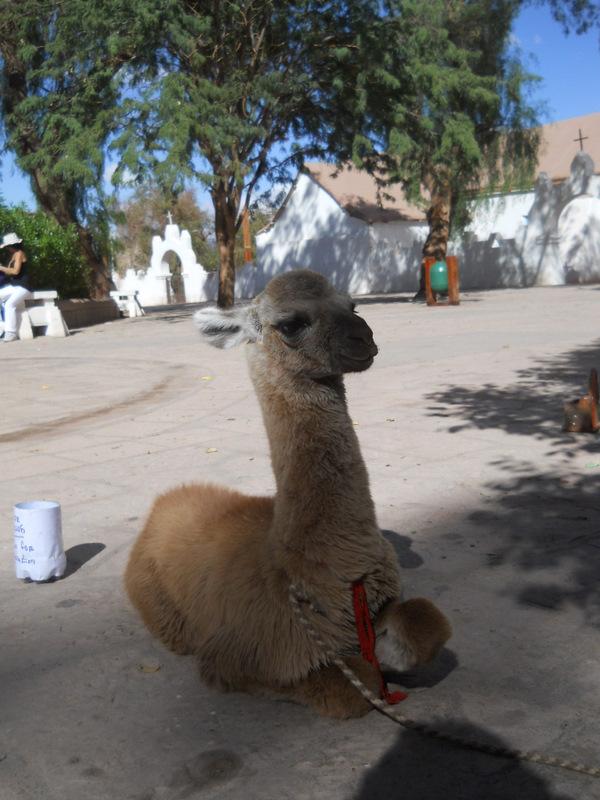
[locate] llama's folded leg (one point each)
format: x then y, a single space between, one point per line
157 610
170 625
330 693
410 633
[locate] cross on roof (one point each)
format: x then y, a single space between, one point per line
170 216
580 139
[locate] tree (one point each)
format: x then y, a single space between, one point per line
234 84
458 117
573 15
424 91
59 93
458 113
235 92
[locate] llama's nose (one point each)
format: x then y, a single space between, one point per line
360 332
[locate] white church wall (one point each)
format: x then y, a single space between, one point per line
358 264
151 288
401 233
545 237
491 264
310 213
579 237
557 240
501 214
338 258
395 257
245 279
154 284
314 232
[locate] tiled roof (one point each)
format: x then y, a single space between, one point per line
356 191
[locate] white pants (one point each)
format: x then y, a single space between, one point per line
11 298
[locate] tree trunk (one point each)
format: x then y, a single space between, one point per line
438 217
101 281
225 222
53 199
436 243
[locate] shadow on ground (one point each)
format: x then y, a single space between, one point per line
531 406
197 776
426 675
80 554
546 527
407 558
417 768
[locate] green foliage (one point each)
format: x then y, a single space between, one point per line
461 115
577 15
241 92
54 258
235 79
61 66
61 85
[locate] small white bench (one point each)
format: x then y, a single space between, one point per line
41 311
128 303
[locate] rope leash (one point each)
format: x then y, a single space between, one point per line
296 598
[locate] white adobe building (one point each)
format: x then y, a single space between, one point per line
331 222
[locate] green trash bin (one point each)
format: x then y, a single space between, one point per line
438 276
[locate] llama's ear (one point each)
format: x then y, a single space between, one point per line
228 328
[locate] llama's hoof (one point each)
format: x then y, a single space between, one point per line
410 633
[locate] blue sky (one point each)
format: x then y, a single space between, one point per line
568 65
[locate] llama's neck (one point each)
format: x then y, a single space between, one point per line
322 481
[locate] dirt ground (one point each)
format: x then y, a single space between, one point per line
493 510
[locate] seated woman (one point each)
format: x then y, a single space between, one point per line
14 287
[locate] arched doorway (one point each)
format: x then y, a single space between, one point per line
175 284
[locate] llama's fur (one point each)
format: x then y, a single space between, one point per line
210 573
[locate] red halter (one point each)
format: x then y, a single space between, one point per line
367 639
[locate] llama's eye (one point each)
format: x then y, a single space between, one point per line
293 326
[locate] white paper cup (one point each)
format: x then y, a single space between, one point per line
39 553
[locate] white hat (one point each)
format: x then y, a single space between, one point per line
10 238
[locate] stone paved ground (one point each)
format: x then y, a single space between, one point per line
494 512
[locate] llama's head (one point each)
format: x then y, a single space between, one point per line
301 323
